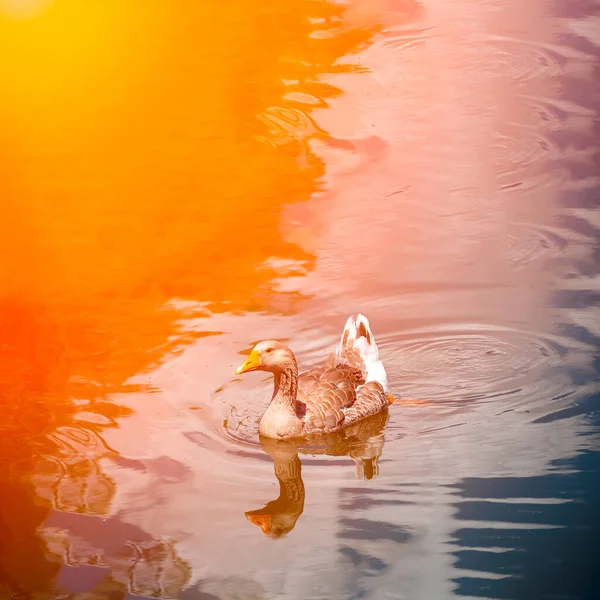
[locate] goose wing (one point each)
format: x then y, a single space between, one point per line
327 392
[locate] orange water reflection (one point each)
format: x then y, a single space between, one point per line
363 442
146 151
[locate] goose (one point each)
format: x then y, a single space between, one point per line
350 386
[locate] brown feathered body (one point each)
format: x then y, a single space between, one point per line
338 396
349 387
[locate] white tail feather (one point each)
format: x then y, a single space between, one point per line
357 335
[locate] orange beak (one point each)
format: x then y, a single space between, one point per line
263 521
252 363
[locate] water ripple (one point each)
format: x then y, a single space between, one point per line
523 60
478 362
531 242
406 38
522 148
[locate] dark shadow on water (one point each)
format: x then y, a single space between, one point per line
366 529
218 589
558 561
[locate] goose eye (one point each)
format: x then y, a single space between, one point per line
269 350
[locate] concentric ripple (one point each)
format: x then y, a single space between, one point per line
522 60
242 405
478 363
405 38
529 243
519 148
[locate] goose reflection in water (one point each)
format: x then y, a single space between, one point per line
279 516
362 442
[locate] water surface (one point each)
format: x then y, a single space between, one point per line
182 179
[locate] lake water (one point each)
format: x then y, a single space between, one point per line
181 179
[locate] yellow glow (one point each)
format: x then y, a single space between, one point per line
132 169
24 9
